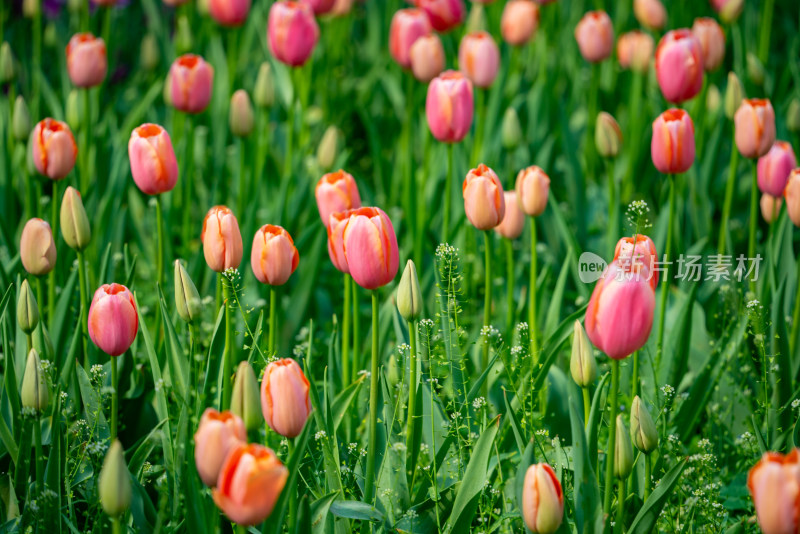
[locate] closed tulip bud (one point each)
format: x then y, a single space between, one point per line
183 35
321 7
533 189
187 299
327 149
427 58
641 250
217 435
53 149
514 220
264 92
336 192
27 310
245 400
679 65
153 163
773 485
250 482
479 58
449 106
114 482
755 127
792 196
672 146
34 393
734 94
607 135
484 202
222 240
6 63
407 26
774 167
21 123
476 20
241 118
643 430
511 131
191 80
792 116
74 109
74 6
444 15
37 248
542 500
770 207
87 63
202 5
623 451
274 257
229 13
113 320
409 297
519 22
31 8
149 55
369 247
712 41
729 10
755 69
595 36
582 365
284 397
75 227
635 51
650 13
713 99
292 32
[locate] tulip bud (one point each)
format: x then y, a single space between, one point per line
34 394
187 299
326 151
21 125
321 7
641 250
650 13
774 167
542 500
519 21
191 79
476 20
273 256
793 116
712 41
734 94
427 58
37 248
635 51
217 435
240 117
623 451
514 219
729 10
87 62
27 310
202 5
114 482
484 202
409 298
284 397
75 227
245 400
113 319
183 35
511 129
407 26
792 196
74 110
533 190
643 430
755 69
31 8
672 146
153 164
6 63
264 92
54 149
479 58
149 55
595 36
222 240
770 207
607 135
582 365
755 127
367 246
229 13
713 99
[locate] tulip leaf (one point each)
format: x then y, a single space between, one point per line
342 402
588 507
293 466
319 512
557 299
527 459
595 414
356 510
683 337
176 359
215 349
645 520
516 426
62 313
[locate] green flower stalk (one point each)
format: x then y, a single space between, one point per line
21 123
623 465
409 304
245 399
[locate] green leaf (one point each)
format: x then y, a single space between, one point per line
319 512
176 359
356 510
645 520
526 460
516 427
342 402
588 507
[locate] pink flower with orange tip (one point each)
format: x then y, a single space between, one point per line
37 248
514 219
712 41
407 26
484 202
635 50
650 13
449 106
672 147
217 435
754 122
519 22
153 164
595 36
444 15
479 58
191 80
642 250
679 65
249 484
774 484
87 63
284 397
792 196
533 190
230 13
770 207
292 32
113 321
336 191
53 148
774 167
370 247
222 241
542 499
274 257
427 58
337 222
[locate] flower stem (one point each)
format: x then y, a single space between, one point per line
647 468
160 245
114 397
273 319
532 332
726 207
613 207
796 313
369 489
116 526
188 180
751 243
227 355
487 307
51 285
612 435
85 178
346 332
510 287
84 311
356 332
448 185
665 280
37 436
635 375
412 398
618 526
587 406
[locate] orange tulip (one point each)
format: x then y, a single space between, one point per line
222 241
274 257
216 436
483 198
533 189
774 484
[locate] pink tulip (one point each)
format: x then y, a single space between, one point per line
321 7
444 15
479 58
407 26
229 13
37 249
54 149
274 257
427 58
774 484
222 241
449 106
249 484
620 313
153 163
337 222
774 168
216 436
641 250
792 196
533 190
292 32
679 65
514 219
87 63
650 13
595 36
370 247
755 127
113 321
484 202
635 50
770 207
519 21
672 146
191 80
542 499
336 191
284 397
712 41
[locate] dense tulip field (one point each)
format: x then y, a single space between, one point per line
437 266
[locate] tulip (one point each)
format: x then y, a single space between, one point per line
729 10
774 484
792 196
755 127
479 58
245 400
31 8
542 499
153 164
250 482
774 168
222 241
264 91
582 365
341 8
21 121
713 99
240 116
449 106
407 26
792 116
327 149
113 320
74 110
230 13
285 402
321 7
623 451
37 249
370 247
337 222
519 22
595 36
6 63
514 219
511 131
444 15
335 192
53 148
114 482
650 13
274 257
409 298
712 41
476 20
635 50
755 69
190 82
640 249
149 54
87 63
183 38
292 32
27 310
672 146
533 189
217 435
484 202
643 430
770 207
607 135
679 65
75 227
734 94
427 58
34 394
187 299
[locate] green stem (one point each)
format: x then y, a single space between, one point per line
37 436
227 356
160 245
665 280
448 185
587 406
84 308
591 120
37 63
194 370
114 397
487 307
29 340
480 115
369 489
619 524
754 213
726 207
635 375
432 449
356 332
188 178
764 32
409 187
273 319
116 526
796 313
613 207
412 398
509 287
633 133
243 193
86 179
346 332
613 406
51 287
647 468
532 331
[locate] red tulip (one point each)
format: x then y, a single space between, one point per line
216 436
292 32
54 149
284 397
484 203
153 164
449 106
641 250
672 146
230 13
87 63
444 15
190 82
407 26
113 321
274 257
222 241
595 36
370 248
679 65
